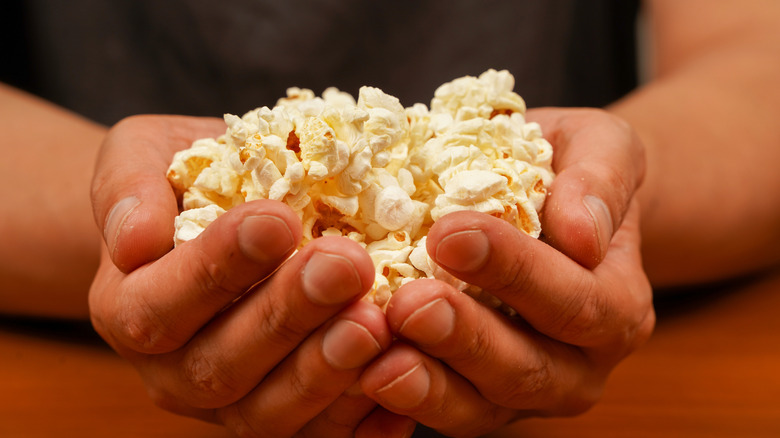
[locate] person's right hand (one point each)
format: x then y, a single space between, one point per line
225 327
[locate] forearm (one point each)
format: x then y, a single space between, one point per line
709 123
50 247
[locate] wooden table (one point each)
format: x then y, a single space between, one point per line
712 369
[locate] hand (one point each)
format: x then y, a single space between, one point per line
582 298
225 327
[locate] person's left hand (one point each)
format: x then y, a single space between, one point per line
582 298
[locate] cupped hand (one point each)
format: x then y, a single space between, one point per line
231 327
582 299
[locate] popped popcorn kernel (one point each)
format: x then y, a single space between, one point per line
377 173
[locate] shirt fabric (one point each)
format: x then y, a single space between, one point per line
108 59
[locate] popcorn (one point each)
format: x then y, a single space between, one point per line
374 171
190 223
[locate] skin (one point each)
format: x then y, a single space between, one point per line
709 119
584 291
253 355
584 300
51 248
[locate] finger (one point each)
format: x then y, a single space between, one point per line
382 423
599 162
159 307
233 353
313 377
342 417
508 364
132 200
407 382
551 292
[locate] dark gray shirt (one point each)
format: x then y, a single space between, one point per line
108 59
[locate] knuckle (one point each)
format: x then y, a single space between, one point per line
525 381
623 321
515 274
207 381
308 390
281 326
212 278
642 324
144 330
583 317
524 387
477 349
637 319
140 335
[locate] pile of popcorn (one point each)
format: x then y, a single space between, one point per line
374 171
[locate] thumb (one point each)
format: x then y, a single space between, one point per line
133 202
599 164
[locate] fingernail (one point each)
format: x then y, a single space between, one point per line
430 324
464 251
116 220
265 238
407 390
348 345
330 279
602 221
